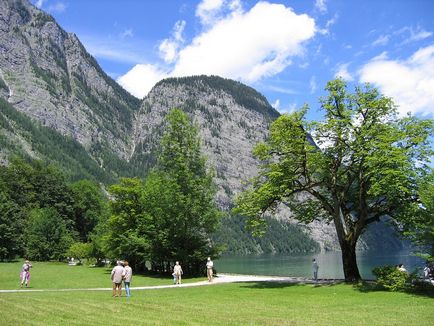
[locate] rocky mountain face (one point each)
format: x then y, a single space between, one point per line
231 118
83 120
47 74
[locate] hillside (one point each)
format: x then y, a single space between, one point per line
58 105
47 74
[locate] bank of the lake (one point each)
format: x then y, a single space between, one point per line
301 265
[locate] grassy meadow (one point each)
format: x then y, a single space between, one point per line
221 304
61 276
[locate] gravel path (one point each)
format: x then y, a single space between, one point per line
220 279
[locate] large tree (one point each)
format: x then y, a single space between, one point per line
89 207
360 164
180 197
170 215
127 229
47 236
11 228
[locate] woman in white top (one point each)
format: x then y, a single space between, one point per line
177 270
209 269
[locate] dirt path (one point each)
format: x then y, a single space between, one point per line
220 279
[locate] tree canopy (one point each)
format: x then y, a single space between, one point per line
170 215
360 164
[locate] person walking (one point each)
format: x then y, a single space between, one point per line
25 274
127 278
177 270
315 268
117 274
209 269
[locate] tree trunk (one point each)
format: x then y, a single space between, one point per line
351 271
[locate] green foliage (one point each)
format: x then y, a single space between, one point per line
279 237
51 146
36 184
172 214
128 226
31 192
47 237
365 164
390 278
89 206
418 221
180 197
11 225
79 250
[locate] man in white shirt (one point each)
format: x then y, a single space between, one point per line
209 269
117 274
177 270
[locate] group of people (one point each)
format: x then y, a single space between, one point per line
177 271
122 272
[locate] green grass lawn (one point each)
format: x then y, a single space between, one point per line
221 304
61 276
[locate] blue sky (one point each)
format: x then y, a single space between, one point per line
287 50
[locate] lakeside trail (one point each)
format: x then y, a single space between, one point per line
219 279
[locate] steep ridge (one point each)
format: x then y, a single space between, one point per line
231 118
47 74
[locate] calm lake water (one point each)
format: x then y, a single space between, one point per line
330 264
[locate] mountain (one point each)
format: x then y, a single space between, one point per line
58 105
47 74
231 118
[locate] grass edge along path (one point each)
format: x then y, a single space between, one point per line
219 279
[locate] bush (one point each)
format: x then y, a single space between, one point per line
390 278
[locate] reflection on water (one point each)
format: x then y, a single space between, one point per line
330 264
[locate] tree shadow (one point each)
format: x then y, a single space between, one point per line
419 289
283 284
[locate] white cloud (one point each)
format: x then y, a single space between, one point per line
178 29
329 23
248 45
58 7
207 10
413 34
382 40
168 50
282 90
169 47
282 110
127 33
312 84
242 45
321 6
289 109
342 71
409 82
276 104
111 49
39 3
139 80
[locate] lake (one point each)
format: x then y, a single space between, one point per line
330 263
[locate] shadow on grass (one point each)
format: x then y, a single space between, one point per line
281 285
419 289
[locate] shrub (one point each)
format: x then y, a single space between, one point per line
390 278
